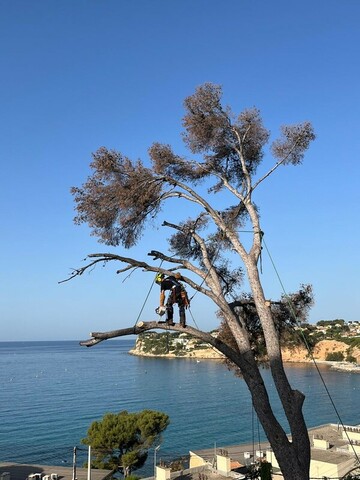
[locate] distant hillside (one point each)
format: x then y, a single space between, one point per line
173 345
325 350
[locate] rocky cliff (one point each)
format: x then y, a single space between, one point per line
182 345
320 352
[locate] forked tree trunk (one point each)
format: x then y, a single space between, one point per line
292 455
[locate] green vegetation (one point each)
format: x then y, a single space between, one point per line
262 471
335 357
351 359
120 441
325 323
351 341
265 471
306 335
157 344
310 335
168 343
335 329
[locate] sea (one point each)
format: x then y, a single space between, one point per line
50 393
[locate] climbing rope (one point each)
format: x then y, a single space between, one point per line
143 305
193 319
146 298
309 350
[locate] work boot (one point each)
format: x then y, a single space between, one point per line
182 321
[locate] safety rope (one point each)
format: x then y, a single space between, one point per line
253 429
253 413
309 350
143 305
193 319
146 298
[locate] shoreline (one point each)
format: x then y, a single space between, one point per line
339 366
192 356
154 346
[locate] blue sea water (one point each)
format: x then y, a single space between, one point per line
50 392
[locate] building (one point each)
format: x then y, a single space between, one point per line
335 450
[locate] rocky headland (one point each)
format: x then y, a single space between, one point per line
321 353
183 346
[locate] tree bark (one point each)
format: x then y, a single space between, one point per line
293 457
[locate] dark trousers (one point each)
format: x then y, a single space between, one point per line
175 297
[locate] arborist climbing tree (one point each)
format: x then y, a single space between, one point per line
215 248
177 294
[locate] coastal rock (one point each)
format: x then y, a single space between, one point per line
173 346
325 347
320 352
208 353
151 344
295 354
346 367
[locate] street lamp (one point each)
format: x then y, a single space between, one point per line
155 450
89 463
74 464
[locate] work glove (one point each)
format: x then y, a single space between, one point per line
160 311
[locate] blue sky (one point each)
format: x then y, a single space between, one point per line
77 75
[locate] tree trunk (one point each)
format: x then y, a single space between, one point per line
293 456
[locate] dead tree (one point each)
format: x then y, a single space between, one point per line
120 197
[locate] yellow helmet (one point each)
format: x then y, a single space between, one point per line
159 277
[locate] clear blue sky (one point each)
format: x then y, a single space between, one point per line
77 75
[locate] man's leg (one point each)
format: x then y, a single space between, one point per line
182 315
169 312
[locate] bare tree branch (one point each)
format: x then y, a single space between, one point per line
141 327
205 256
182 263
133 264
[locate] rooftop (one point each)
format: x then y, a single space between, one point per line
331 447
21 471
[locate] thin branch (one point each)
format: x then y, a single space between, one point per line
188 265
200 241
201 201
241 157
79 271
242 303
182 262
281 162
125 269
268 173
215 284
132 263
178 194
